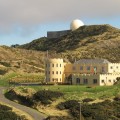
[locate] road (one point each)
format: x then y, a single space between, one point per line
32 112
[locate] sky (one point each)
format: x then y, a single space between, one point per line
22 21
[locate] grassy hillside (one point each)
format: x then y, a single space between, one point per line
95 41
20 60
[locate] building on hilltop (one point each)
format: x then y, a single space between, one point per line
97 72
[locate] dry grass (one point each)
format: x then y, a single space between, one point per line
18 112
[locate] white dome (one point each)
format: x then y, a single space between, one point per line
76 24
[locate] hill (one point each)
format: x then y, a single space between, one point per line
20 60
94 41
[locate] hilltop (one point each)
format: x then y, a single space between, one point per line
20 60
94 41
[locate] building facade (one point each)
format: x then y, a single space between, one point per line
89 72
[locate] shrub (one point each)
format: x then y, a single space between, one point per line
46 96
88 100
7 114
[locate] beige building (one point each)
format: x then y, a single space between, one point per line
85 71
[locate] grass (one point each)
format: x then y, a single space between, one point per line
4 80
80 92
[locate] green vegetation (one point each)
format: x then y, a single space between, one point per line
13 78
106 110
4 80
98 103
6 113
80 92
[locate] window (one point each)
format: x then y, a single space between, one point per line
102 81
49 72
74 68
52 72
109 80
60 65
88 67
94 81
114 81
60 79
60 72
53 79
103 69
52 65
56 72
81 67
111 67
117 67
85 81
77 80
56 65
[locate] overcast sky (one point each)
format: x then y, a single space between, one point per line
21 21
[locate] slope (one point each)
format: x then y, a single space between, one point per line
94 41
20 60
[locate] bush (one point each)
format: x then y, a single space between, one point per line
7 114
88 100
46 96
117 98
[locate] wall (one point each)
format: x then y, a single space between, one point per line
108 79
89 77
114 68
54 70
57 34
76 68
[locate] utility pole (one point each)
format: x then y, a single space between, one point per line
80 117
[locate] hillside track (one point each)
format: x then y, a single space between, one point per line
33 113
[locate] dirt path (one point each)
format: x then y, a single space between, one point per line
33 113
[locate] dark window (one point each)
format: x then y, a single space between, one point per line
85 81
52 65
56 72
103 69
117 67
111 67
60 79
94 81
109 80
49 72
60 65
52 72
102 81
81 67
77 80
88 67
56 65
60 72
53 79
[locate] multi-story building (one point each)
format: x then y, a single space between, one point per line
85 71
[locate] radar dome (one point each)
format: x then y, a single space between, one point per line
76 24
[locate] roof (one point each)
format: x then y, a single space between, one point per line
92 61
